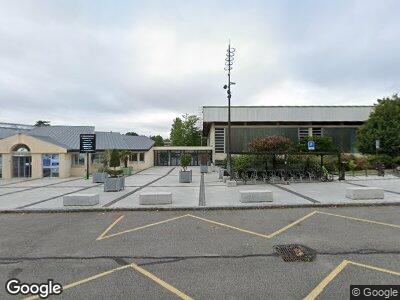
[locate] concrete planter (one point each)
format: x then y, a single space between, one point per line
185 176
99 177
114 184
127 171
204 169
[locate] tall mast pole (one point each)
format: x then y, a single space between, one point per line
228 67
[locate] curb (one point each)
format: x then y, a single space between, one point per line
196 208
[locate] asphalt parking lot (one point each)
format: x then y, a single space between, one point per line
219 254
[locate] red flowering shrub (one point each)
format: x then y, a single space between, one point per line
274 143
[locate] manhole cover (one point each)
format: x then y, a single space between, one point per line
295 252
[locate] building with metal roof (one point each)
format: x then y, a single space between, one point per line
295 122
53 151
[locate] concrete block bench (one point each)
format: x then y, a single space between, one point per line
256 196
81 199
155 198
361 193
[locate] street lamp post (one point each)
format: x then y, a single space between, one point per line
228 67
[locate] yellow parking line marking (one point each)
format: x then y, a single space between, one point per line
229 226
360 219
375 268
291 225
271 235
85 280
161 282
255 233
103 236
136 268
321 286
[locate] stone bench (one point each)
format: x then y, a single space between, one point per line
81 199
256 196
361 193
155 198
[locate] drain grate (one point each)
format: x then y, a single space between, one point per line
295 252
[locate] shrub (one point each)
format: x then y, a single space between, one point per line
387 160
331 163
114 173
114 159
275 143
186 159
396 161
352 166
242 162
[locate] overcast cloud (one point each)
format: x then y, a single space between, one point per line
135 65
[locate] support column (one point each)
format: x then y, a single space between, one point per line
7 166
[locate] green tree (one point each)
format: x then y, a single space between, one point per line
191 133
114 159
186 159
185 132
383 125
42 123
131 133
158 139
273 144
177 135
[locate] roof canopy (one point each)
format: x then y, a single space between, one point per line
68 137
287 113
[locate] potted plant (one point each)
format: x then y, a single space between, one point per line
99 176
124 156
115 182
185 176
204 163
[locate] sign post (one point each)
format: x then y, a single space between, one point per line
87 144
311 145
377 146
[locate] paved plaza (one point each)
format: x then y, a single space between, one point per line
47 193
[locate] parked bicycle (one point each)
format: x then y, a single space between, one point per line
326 176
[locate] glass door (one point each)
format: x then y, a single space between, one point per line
22 166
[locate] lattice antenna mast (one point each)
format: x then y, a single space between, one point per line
230 53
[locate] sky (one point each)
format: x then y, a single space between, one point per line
136 65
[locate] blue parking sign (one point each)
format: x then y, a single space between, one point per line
311 145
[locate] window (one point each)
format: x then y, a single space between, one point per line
21 148
219 140
133 157
141 157
302 133
50 163
78 159
317 131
